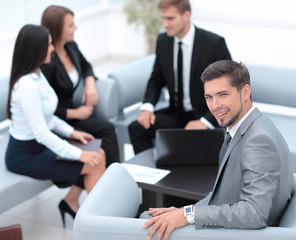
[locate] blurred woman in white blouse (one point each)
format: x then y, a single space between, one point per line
35 131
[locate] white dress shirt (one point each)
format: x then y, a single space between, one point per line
234 129
33 103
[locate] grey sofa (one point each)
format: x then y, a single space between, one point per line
108 213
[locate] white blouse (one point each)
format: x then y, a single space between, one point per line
74 76
32 106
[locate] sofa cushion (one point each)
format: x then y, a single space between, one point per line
273 85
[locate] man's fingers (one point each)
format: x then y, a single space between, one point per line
146 124
158 212
167 233
148 223
153 229
152 119
161 231
152 211
83 98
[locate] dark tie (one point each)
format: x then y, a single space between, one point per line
180 78
224 147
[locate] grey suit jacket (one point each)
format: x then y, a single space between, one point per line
254 181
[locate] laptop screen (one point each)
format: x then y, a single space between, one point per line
188 147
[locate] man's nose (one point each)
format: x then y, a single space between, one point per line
164 23
216 103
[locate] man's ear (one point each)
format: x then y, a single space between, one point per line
186 15
246 91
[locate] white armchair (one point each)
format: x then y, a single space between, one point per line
109 211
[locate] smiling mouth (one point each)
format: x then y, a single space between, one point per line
221 114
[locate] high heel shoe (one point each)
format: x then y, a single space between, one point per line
64 208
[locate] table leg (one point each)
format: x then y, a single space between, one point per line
151 199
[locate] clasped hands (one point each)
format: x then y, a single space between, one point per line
89 97
164 220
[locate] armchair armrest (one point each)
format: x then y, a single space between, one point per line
108 103
115 196
132 81
110 228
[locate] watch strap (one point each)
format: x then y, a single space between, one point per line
189 213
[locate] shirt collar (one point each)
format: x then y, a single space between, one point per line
34 75
234 129
187 40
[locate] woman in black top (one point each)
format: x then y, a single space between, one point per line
67 68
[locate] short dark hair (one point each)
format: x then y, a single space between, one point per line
30 51
181 5
53 19
238 73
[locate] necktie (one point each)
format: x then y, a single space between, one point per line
180 78
224 147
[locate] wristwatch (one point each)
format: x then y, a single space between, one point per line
189 213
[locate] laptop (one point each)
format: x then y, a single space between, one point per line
188 147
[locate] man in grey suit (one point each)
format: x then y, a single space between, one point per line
254 181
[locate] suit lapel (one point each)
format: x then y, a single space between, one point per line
237 137
75 59
197 45
62 70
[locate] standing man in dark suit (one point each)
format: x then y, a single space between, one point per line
182 53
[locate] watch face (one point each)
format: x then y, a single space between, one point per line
188 210
189 214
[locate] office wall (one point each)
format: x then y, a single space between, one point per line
261 32
102 28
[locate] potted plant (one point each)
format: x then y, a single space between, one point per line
144 13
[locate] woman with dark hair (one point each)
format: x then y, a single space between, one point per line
65 71
34 142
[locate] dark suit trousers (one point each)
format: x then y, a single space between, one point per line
100 128
142 139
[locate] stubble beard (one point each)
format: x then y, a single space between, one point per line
233 119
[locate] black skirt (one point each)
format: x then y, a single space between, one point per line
33 159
